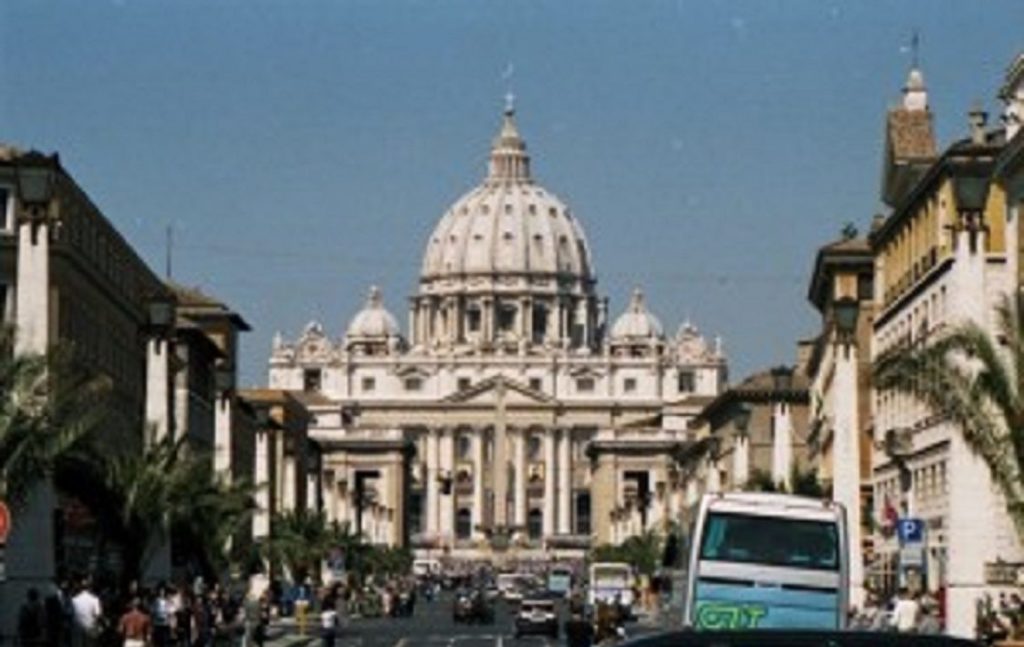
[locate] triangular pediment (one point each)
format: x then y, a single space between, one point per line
490 390
586 371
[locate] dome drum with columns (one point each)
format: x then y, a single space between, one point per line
509 420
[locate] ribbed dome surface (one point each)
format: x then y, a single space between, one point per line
508 224
636 322
373 320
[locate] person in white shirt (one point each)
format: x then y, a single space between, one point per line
906 613
88 613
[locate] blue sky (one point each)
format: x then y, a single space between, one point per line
303 150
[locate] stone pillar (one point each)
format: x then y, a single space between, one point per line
32 294
846 459
554 317
550 473
500 456
432 463
487 316
478 482
565 482
782 443
261 477
519 487
445 517
222 434
741 460
158 401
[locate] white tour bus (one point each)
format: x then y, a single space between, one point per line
760 560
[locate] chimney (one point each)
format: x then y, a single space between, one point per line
977 118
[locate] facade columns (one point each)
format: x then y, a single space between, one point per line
431 465
519 496
478 482
445 515
740 460
564 481
500 458
550 473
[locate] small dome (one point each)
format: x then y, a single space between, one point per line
636 322
373 320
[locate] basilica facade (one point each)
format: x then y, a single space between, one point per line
513 417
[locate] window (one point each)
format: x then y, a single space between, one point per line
416 503
687 382
536 384
6 221
413 384
865 287
311 379
369 384
533 448
464 383
465 446
535 523
540 323
473 319
585 385
463 524
629 385
507 318
583 513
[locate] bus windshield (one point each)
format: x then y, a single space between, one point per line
771 541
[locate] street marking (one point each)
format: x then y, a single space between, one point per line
501 641
401 642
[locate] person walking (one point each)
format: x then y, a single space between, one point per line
88 616
32 621
906 613
135 627
162 616
328 621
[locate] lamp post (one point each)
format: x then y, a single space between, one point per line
35 178
845 311
971 195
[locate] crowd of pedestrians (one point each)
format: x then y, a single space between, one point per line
905 613
187 615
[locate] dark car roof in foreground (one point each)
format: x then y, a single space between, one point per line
793 638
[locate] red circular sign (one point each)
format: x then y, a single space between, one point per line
5 522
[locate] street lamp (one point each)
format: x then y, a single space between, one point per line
971 195
742 418
35 179
845 311
224 380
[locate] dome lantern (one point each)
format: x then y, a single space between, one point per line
510 162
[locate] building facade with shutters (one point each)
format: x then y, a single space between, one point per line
513 416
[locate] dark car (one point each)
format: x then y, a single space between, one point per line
537 616
793 638
472 607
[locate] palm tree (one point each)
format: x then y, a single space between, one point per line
167 489
299 539
973 379
49 407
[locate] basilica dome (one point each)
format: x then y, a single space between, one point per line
373 321
508 225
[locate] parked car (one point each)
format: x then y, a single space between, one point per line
472 606
537 616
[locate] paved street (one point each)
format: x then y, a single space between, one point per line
432 626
